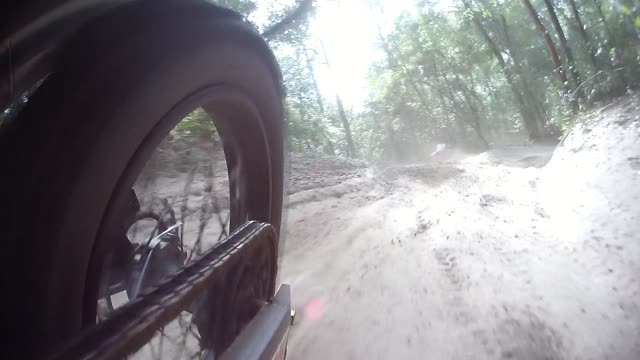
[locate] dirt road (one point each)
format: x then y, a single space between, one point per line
500 255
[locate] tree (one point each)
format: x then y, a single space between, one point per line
465 75
351 148
573 70
553 53
588 48
528 117
293 17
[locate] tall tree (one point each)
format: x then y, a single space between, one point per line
532 103
573 69
553 53
467 94
588 47
351 147
291 18
527 117
393 54
603 20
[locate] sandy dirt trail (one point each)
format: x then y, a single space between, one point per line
501 255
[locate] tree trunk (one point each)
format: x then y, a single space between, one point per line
534 106
611 39
455 106
528 121
443 104
460 124
473 109
391 139
351 148
407 73
613 44
448 104
573 70
313 79
476 120
303 8
555 59
332 151
583 34
467 94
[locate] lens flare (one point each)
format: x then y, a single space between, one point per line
314 310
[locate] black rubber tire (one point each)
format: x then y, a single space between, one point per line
84 133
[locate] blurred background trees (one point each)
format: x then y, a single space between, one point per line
470 73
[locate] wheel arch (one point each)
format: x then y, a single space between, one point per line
34 31
54 135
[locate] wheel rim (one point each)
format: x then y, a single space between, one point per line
247 168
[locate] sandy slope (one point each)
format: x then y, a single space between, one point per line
497 255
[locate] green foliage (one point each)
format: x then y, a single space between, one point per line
245 7
442 81
471 73
198 124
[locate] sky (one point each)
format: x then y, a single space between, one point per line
348 31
